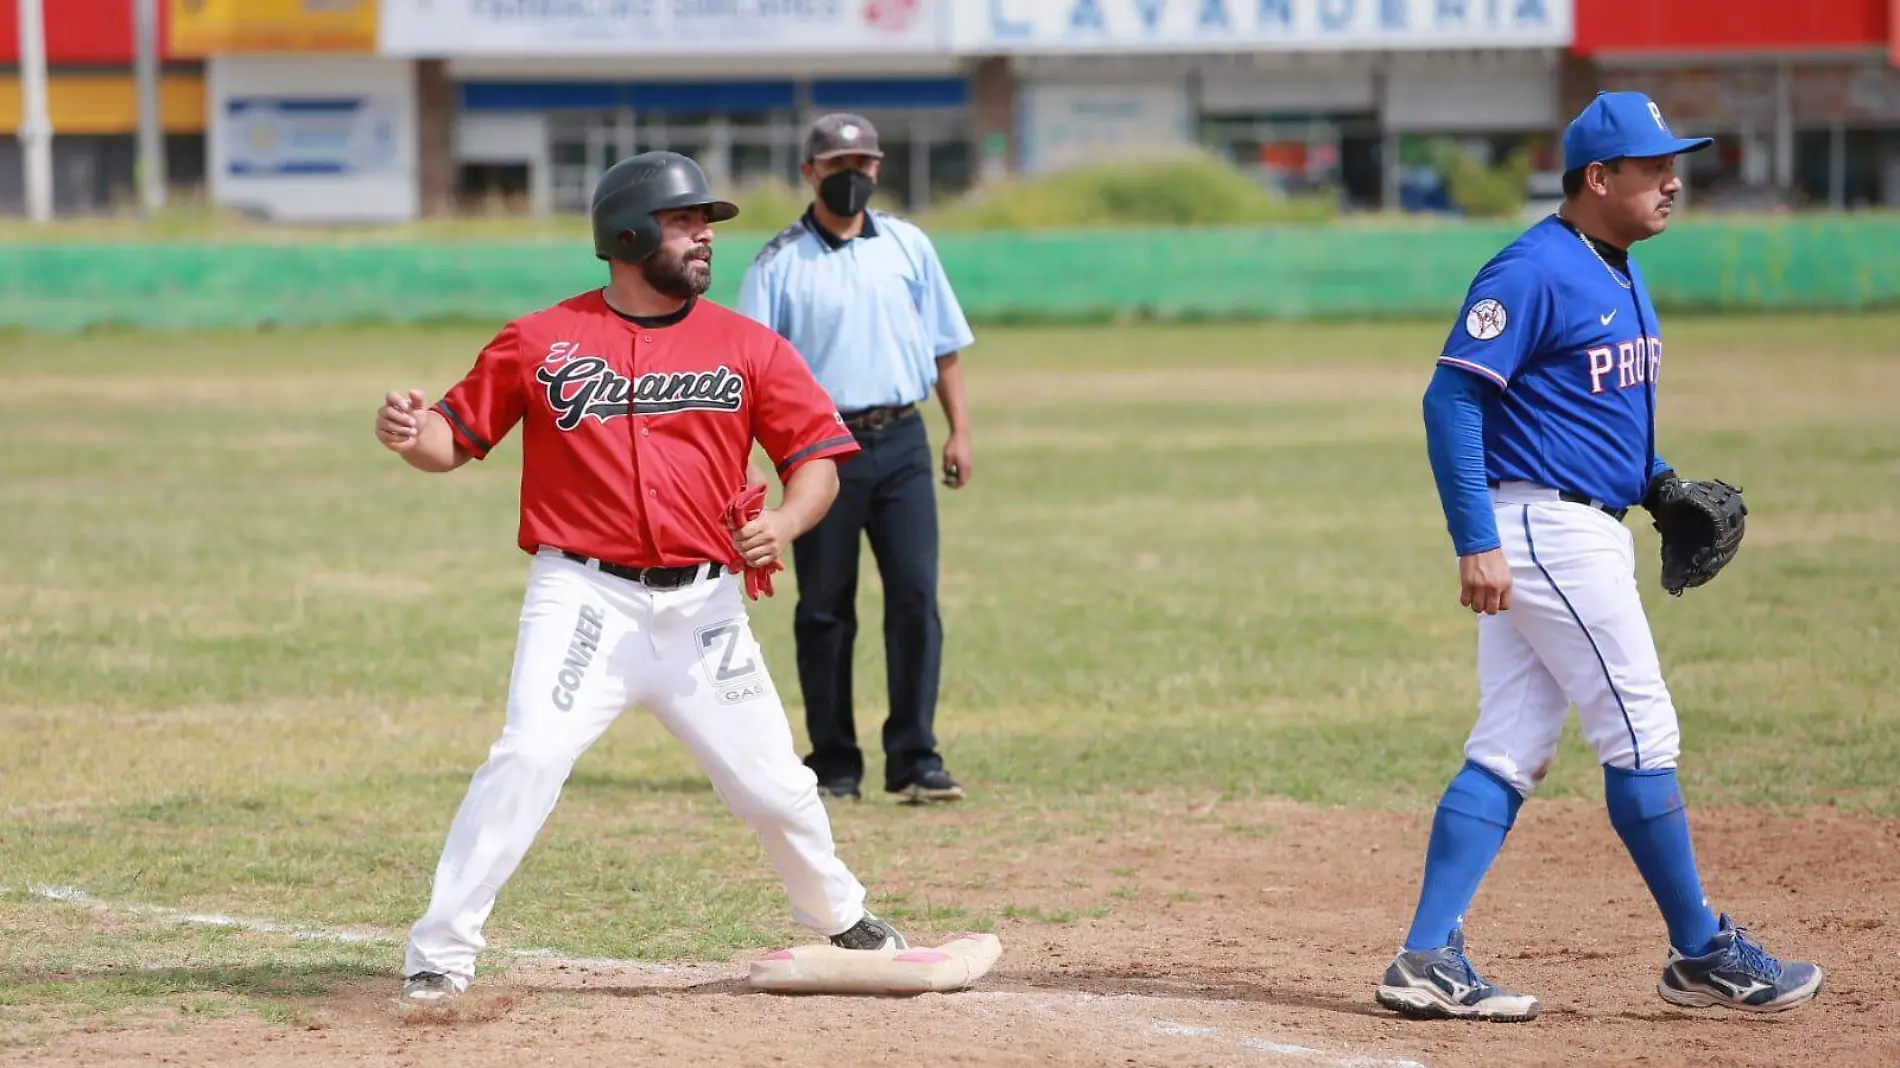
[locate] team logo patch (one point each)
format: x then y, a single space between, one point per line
1656 113
581 387
1486 319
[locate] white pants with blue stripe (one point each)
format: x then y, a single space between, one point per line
1575 634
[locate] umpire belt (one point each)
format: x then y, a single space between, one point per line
876 418
658 578
1530 490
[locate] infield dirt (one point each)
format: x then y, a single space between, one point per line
1261 948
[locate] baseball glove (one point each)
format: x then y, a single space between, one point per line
1701 524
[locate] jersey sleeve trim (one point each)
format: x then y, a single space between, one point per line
828 447
469 438
781 241
1475 368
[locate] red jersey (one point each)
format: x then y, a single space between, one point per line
636 436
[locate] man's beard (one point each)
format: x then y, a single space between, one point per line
685 276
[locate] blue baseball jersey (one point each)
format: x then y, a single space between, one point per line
870 314
1573 347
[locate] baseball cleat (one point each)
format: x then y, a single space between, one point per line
936 785
870 933
1441 984
428 986
1737 974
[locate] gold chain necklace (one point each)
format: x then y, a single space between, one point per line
1591 245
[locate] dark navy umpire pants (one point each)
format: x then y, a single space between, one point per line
887 491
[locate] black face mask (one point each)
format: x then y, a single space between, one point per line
846 193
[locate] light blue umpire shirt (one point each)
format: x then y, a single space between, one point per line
870 314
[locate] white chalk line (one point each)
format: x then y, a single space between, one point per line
74 896
1120 1007
1285 1049
1113 1006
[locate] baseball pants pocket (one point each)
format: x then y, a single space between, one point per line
1521 707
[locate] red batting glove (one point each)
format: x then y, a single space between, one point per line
743 509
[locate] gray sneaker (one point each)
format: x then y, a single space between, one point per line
870 933
1441 984
1737 973
428 986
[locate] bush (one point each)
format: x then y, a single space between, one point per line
769 206
1482 192
1194 189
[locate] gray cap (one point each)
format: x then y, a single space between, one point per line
842 134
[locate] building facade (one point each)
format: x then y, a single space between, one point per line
543 98
522 104
1803 98
341 110
1307 94
93 102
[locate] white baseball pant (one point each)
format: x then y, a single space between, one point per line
1575 634
589 646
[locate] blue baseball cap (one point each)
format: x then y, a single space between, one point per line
1620 125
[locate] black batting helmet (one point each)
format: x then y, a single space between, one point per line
628 195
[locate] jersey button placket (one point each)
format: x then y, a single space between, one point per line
646 339
639 468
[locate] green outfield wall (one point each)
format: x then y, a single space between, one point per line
1801 263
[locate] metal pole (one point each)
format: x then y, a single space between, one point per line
1837 166
151 123
1784 128
36 129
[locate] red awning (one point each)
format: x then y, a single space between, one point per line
1715 26
80 32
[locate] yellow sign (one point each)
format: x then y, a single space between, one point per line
201 28
107 103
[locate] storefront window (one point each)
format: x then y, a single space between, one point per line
952 168
928 152
582 144
1847 168
1299 154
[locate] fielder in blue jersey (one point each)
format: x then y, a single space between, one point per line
1541 429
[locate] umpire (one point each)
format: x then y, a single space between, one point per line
862 296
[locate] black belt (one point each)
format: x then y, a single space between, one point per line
1573 497
659 578
1584 498
876 418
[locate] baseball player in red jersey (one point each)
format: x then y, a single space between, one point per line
639 404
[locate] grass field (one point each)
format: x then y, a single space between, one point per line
248 659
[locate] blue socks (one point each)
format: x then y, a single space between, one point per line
1478 809
1647 810
1468 831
